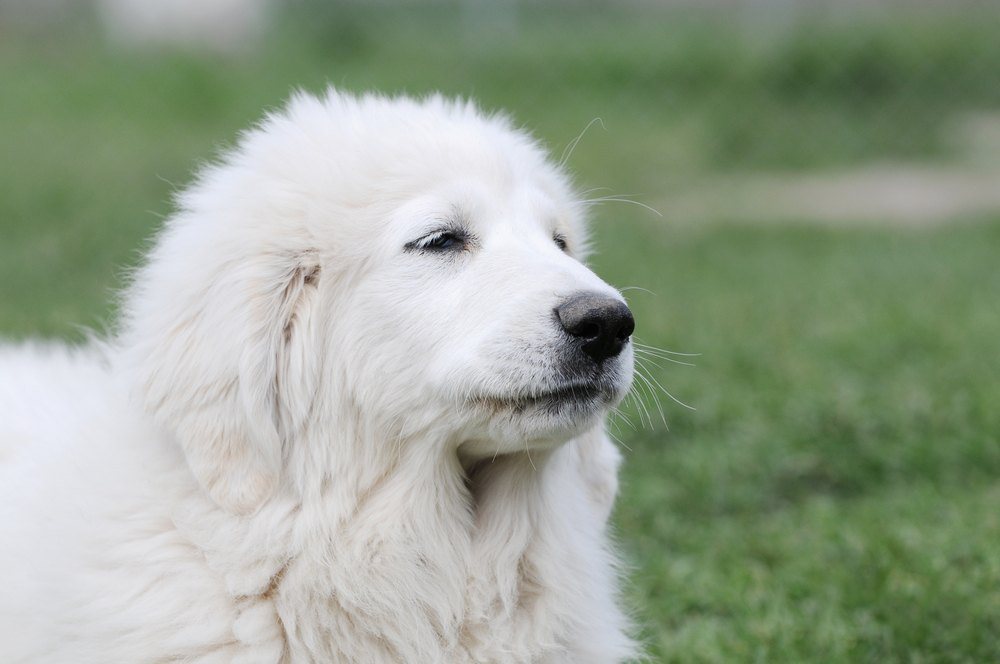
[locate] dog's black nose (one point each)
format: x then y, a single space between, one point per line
603 323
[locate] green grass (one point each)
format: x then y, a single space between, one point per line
834 497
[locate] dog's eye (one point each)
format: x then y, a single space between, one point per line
560 241
443 240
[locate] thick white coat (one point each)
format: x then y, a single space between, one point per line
295 447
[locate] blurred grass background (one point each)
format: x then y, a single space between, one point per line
835 497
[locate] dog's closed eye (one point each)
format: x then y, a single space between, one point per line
441 241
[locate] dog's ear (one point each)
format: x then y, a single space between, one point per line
214 340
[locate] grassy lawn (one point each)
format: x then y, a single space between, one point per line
835 497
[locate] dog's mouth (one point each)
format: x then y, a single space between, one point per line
544 414
570 395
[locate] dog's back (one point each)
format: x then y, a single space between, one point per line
88 550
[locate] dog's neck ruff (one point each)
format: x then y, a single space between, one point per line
427 562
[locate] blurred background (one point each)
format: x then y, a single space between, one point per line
805 193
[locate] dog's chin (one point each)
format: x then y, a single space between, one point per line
526 420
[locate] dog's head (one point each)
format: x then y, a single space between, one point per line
415 263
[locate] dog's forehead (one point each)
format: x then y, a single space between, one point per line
495 184
409 163
487 175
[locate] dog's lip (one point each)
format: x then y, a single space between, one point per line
570 392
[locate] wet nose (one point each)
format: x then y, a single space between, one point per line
603 323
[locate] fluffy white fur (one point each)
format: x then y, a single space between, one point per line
309 441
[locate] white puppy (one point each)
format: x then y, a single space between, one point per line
353 413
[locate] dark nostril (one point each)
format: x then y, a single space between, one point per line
587 330
626 325
603 323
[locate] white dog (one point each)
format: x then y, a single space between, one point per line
353 413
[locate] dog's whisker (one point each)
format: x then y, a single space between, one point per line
618 440
636 401
593 189
650 357
618 415
641 372
671 396
664 356
656 349
637 288
568 152
640 392
650 397
630 402
619 199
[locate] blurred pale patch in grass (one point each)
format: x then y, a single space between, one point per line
903 195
